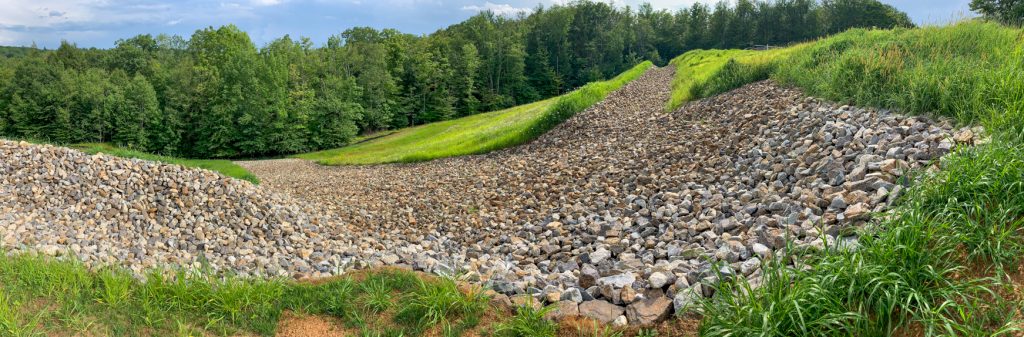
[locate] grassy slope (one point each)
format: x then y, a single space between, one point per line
465 135
225 167
475 134
939 262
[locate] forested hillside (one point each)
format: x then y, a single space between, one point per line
216 94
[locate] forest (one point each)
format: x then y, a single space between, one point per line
218 95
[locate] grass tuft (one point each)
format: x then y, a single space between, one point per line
528 322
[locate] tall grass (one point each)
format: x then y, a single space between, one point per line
475 134
937 263
69 298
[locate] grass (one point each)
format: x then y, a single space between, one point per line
699 73
941 262
46 296
474 134
225 167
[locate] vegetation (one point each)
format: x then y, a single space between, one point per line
225 167
1006 11
44 296
475 134
467 135
941 263
216 95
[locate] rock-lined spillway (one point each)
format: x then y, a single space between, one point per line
611 215
625 199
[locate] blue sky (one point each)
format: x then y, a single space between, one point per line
98 23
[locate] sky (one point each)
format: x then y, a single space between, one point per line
99 23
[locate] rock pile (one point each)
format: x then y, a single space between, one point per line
140 214
615 214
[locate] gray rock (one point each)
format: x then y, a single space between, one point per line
658 280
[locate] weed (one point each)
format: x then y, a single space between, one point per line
528 322
377 295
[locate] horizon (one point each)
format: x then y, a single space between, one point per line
99 24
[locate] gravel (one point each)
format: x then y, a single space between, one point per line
139 214
624 205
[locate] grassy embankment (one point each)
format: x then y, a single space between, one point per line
475 134
225 167
946 260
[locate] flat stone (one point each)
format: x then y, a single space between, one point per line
649 311
601 311
563 309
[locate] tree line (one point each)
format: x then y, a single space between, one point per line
216 94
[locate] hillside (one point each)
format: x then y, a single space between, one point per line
475 134
866 184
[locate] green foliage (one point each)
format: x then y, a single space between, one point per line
1006 11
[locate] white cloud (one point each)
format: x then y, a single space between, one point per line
500 9
267 2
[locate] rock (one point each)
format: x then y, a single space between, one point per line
649 311
525 300
749 266
964 137
501 301
599 255
600 311
657 280
688 298
563 309
620 321
617 281
588 277
856 211
572 294
389 259
761 251
628 295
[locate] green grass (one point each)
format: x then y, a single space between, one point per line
938 263
44 296
474 134
695 68
225 167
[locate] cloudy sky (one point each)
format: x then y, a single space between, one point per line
98 23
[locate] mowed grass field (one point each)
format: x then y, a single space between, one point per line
225 167
474 134
468 135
